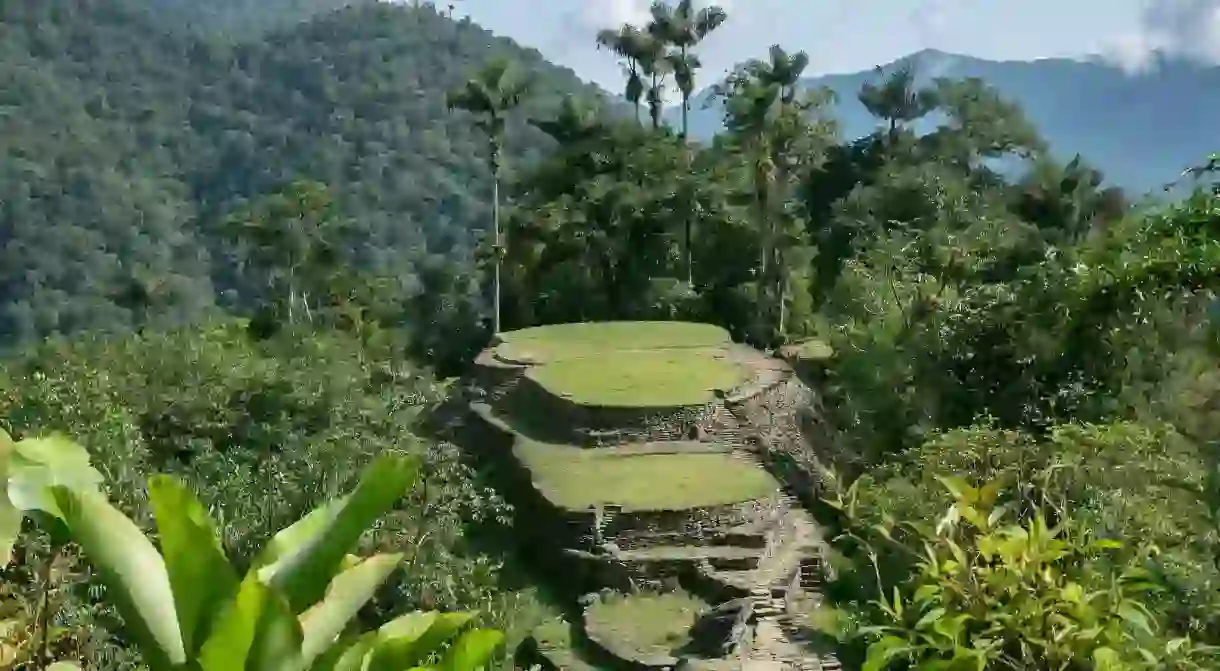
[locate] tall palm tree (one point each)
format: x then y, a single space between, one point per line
684 28
655 66
751 106
573 123
491 95
631 44
897 100
763 108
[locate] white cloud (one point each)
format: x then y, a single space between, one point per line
1188 28
1134 53
606 13
1184 28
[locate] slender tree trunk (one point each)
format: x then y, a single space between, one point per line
689 224
781 289
495 218
761 285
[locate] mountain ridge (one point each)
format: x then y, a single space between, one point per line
128 142
1141 129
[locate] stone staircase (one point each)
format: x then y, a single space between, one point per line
794 555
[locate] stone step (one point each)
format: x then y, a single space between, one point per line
720 557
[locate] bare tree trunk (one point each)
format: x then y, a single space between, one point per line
495 216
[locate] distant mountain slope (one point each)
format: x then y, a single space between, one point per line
241 19
1141 130
123 145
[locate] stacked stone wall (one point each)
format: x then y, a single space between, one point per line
595 426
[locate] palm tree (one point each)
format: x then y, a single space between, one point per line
655 66
573 124
765 111
684 28
631 44
491 95
751 106
897 100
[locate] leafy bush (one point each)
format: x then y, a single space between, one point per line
989 591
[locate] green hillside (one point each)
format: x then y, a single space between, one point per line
268 266
240 19
125 146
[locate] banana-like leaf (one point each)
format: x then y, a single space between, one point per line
134 573
292 537
277 642
234 628
473 651
199 572
349 591
303 573
10 515
37 464
346 654
409 640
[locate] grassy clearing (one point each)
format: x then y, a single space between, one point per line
814 350
575 478
563 340
644 625
554 639
658 378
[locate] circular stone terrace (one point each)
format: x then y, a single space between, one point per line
625 365
644 364
650 367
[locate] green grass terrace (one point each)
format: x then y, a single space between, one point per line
642 626
639 477
626 364
575 478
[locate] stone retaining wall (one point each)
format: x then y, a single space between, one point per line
493 376
691 523
593 426
626 528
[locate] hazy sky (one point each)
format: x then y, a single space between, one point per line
850 35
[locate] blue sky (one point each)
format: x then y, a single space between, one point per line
850 35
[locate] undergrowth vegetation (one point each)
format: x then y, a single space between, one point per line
1016 370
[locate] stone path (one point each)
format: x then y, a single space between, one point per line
776 644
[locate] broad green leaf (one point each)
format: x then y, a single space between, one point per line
277 641
959 488
134 573
291 538
199 572
473 650
411 639
347 654
350 590
303 574
929 617
234 627
37 464
1136 617
64 666
10 515
883 651
1107 659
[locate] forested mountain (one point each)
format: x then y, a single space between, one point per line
126 146
241 19
1141 130
1012 436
